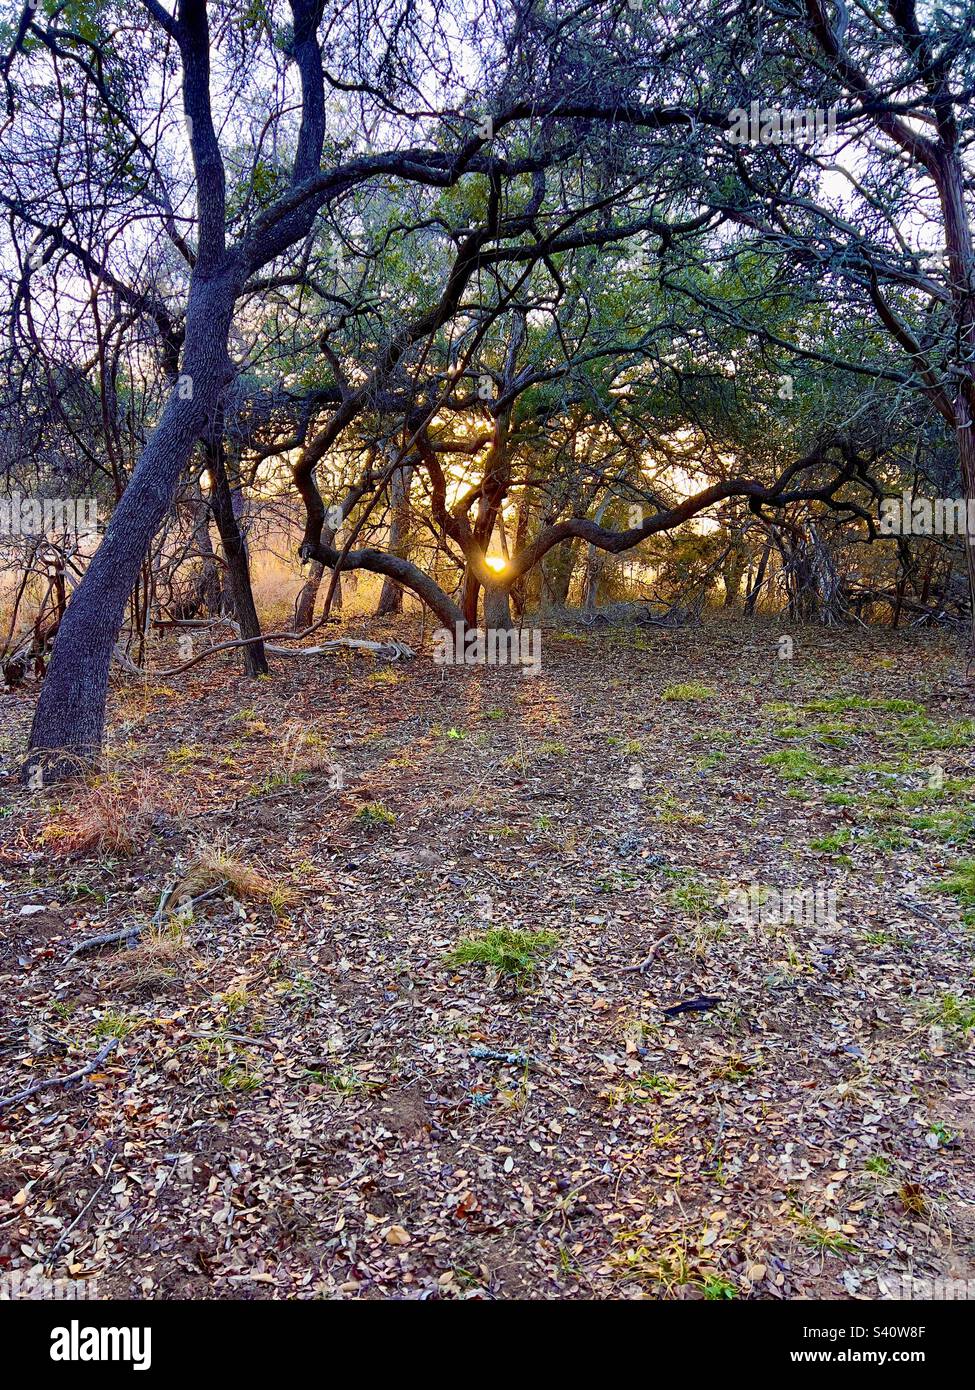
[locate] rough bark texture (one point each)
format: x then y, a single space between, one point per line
66 735
238 567
69 720
470 596
961 260
305 607
556 577
403 571
497 611
206 597
595 564
391 598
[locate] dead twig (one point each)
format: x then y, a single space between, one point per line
647 961
62 1239
918 911
130 933
107 938
7 1101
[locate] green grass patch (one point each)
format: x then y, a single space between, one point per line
689 691
511 953
114 1025
921 732
953 827
799 765
960 883
953 1012
709 761
833 842
694 896
670 810
277 781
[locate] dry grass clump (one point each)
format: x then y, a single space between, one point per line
110 813
305 750
161 957
214 866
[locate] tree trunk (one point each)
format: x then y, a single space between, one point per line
206 595
305 610
732 573
391 598
528 587
557 576
595 564
238 568
950 180
753 592
497 612
69 721
471 594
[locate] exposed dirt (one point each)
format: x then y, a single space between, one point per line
299 1104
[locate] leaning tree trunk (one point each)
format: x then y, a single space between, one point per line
238 567
753 592
69 721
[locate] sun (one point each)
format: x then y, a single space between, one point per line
496 563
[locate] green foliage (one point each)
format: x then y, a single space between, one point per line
506 950
953 1012
840 704
835 840
921 732
691 690
799 765
694 896
113 1025
960 883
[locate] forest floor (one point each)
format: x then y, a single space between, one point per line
308 1097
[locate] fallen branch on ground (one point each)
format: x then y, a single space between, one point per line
918 910
7 1101
391 651
130 933
647 961
104 939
